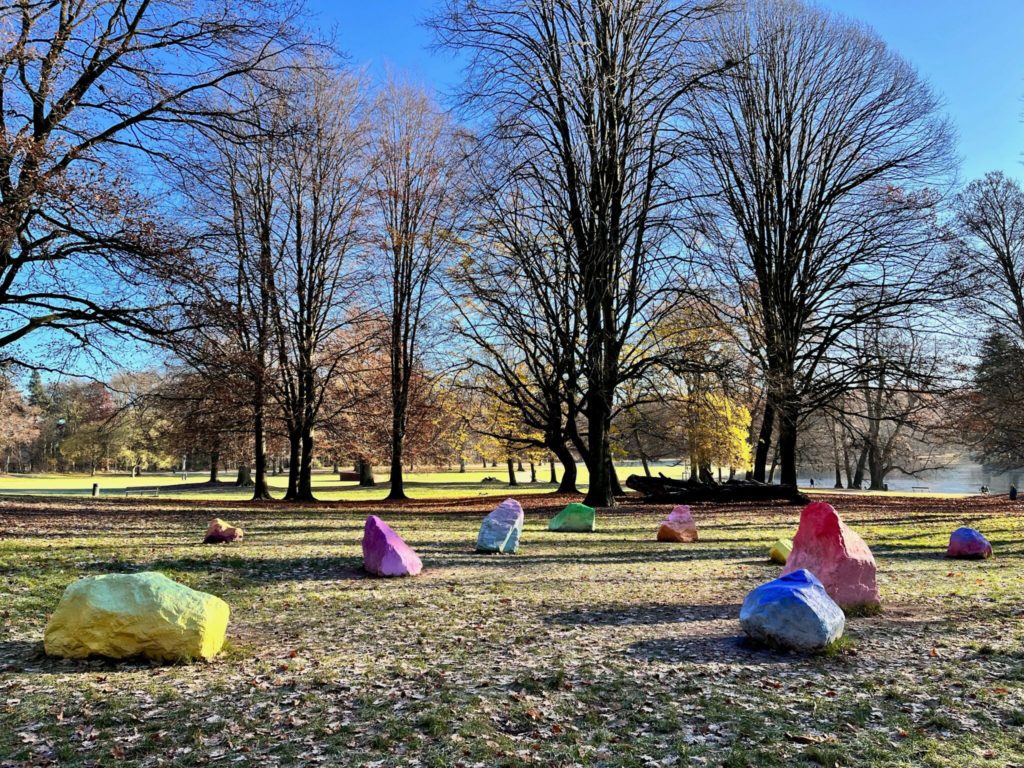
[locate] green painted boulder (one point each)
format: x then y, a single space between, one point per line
575 518
121 615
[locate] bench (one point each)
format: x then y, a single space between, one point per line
142 491
919 487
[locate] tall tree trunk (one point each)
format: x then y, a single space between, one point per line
858 475
613 477
397 479
214 465
787 442
876 470
647 466
551 467
462 464
261 490
512 473
764 441
294 452
533 472
305 492
569 470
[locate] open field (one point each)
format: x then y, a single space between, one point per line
419 485
604 649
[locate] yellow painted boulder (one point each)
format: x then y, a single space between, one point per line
779 553
121 615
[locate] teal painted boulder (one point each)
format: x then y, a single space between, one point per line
575 518
501 529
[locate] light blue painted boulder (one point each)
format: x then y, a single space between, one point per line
501 529
793 612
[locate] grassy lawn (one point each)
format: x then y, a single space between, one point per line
473 482
604 649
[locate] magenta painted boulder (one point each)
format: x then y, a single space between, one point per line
968 544
837 556
384 552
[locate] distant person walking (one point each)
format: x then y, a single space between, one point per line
812 482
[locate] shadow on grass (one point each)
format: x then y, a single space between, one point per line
718 649
629 615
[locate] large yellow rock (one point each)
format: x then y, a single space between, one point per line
120 615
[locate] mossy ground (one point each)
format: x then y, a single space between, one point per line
603 649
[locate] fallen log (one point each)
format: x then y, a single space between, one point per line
666 490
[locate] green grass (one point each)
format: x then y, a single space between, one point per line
424 485
419 485
604 649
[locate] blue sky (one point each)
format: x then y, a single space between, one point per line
969 51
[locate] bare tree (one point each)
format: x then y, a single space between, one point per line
95 93
318 238
989 257
820 146
416 186
518 295
583 95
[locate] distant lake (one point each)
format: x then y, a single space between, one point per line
960 477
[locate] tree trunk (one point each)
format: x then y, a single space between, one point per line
569 470
244 479
365 470
764 442
519 467
306 467
876 471
647 467
600 492
613 477
512 473
787 443
533 472
214 465
294 451
462 464
261 490
858 475
395 476
551 467
775 464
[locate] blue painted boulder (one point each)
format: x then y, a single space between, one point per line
968 544
501 529
793 612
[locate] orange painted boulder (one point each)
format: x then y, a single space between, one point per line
678 526
220 532
836 555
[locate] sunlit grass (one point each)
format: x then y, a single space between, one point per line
604 649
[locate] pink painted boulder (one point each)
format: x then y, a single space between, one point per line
384 552
678 526
826 547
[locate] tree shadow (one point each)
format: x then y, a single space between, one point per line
721 648
633 615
